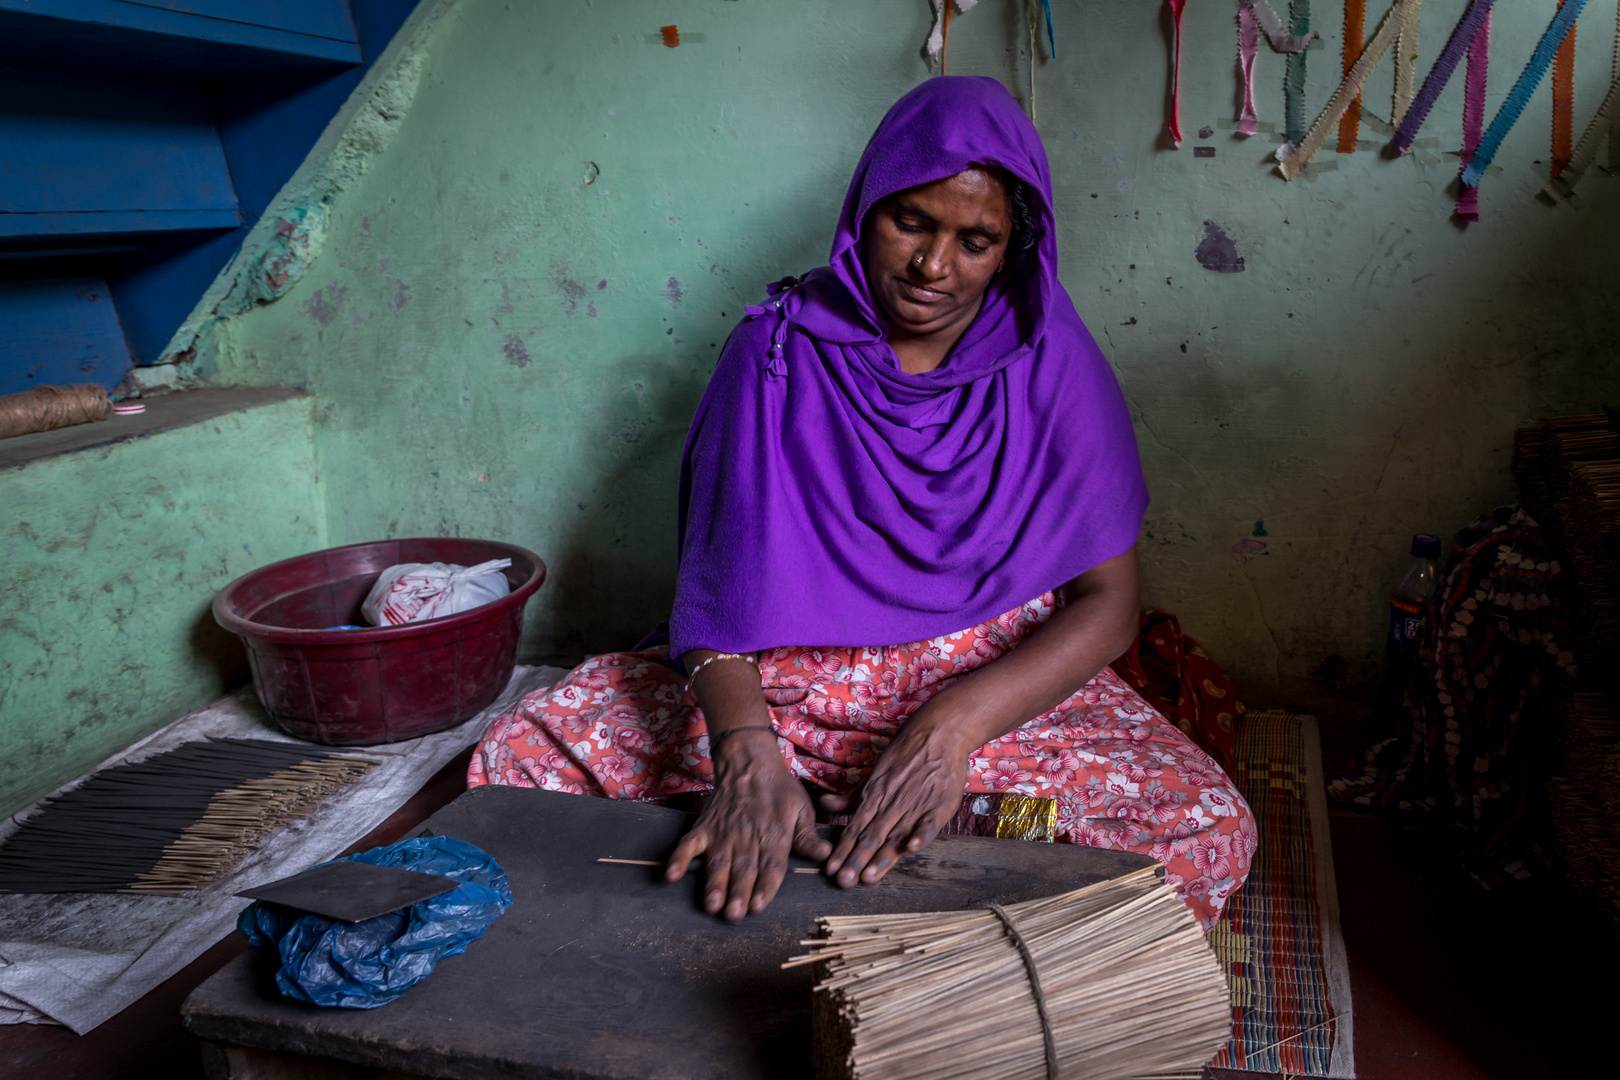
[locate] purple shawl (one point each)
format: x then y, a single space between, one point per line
829 498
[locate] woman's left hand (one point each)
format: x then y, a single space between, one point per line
914 790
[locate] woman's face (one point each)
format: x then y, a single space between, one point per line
931 252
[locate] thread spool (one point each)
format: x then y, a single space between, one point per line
46 408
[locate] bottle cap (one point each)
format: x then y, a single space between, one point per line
1425 546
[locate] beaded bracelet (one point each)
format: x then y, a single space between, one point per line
690 679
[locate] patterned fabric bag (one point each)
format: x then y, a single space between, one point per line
1180 680
1495 664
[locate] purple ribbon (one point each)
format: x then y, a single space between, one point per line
1461 36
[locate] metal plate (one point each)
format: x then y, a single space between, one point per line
352 891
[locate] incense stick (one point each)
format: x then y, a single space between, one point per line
655 862
173 822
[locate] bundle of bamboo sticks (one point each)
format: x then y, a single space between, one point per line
1583 794
1110 981
1569 477
174 822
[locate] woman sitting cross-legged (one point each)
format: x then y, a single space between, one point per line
908 509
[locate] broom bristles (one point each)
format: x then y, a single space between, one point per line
1129 987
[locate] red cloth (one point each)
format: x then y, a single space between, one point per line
1179 679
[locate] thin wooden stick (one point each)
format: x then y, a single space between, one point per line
655 862
1296 1035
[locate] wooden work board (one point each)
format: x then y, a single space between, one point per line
605 971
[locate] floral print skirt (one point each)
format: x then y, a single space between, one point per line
626 726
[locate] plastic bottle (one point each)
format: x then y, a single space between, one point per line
1410 600
1408 608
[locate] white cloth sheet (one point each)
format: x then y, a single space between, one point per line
77 959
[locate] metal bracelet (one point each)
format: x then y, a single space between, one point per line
692 678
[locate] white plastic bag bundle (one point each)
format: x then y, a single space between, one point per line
412 592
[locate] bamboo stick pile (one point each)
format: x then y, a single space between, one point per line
1584 796
1568 471
174 822
1110 981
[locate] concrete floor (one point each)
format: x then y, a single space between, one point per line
1450 982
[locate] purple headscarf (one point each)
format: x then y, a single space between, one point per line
829 498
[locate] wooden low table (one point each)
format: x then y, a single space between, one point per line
601 970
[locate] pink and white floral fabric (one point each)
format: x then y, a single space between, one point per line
626 726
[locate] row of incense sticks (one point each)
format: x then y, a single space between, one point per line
1110 981
174 822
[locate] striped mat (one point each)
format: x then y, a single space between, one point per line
1281 942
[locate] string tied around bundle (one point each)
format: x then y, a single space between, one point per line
1034 987
45 408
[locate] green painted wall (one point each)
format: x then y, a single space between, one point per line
517 305
112 557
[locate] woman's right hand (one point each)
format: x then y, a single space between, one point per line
758 815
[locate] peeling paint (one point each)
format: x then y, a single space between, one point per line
1246 549
1217 251
291 234
324 305
573 292
402 294
516 354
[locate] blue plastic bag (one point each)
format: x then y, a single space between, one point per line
365 964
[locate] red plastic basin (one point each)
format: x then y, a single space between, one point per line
380 684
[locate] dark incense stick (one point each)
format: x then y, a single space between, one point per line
173 822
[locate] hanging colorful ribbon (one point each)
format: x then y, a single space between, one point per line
1300 156
1462 35
1253 17
1029 19
1176 8
1273 27
1614 114
1051 36
1563 132
1519 96
1248 50
1479 59
942 26
1355 42
1605 123
1299 24
1406 54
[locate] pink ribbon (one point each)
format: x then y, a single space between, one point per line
1176 8
1479 58
1248 49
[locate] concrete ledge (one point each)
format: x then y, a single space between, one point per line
163 413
